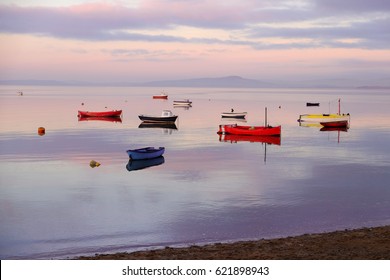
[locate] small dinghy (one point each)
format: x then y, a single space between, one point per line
161 96
112 113
235 115
145 153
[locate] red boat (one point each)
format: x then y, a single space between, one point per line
113 113
160 96
341 123
250 130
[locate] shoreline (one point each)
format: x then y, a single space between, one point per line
357 244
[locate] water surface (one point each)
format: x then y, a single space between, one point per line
207 189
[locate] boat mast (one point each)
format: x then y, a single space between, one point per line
339 107
265 117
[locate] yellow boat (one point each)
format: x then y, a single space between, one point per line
317 118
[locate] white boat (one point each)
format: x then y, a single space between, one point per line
236 115
183 102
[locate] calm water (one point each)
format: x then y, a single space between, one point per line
54 205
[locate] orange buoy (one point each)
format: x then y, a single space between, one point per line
41 130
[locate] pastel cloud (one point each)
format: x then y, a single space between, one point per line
169 39
302 24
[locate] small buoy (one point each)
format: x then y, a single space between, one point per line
82 104
41 130
94 164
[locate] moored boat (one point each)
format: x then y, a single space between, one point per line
112 113
166 117
250 130
311 104
317 118
235 115
161 96
184 102
145 153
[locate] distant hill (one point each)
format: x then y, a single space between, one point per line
43 83
229 81
221 82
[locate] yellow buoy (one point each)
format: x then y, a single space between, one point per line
94 163
41 131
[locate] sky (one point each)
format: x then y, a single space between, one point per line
147 40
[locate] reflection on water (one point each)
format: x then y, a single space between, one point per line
104 119
133 165
166 126
275 140
207 188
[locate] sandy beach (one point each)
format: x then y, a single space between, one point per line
358 244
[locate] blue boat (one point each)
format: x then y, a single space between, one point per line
145 153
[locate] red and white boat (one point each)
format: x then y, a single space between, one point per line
112 113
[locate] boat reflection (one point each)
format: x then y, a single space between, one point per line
230 120
345 128
273 140
184 107
133 165
167 127
309 124
104 119
337 129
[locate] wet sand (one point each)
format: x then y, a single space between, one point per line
359 244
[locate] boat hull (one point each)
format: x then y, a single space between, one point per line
105 119
145 153
160 96
250 130
233 115
339 123
114 113
152 119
